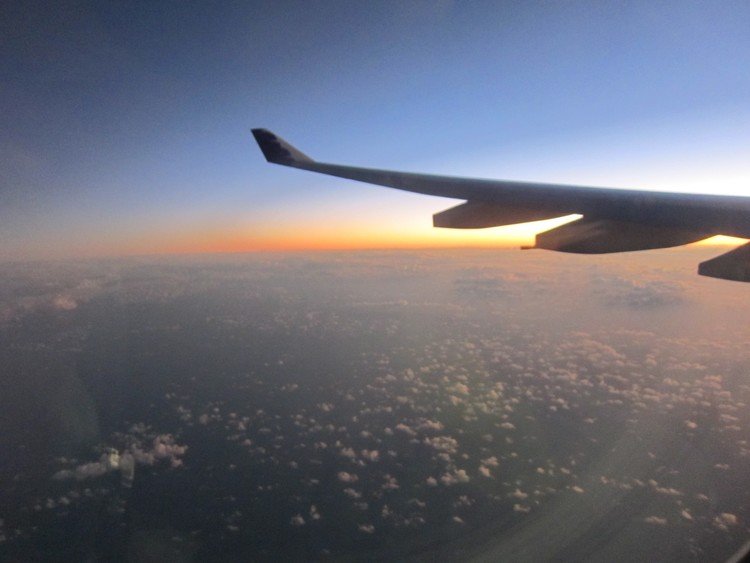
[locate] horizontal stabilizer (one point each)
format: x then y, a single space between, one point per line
734 265
480 215
601 236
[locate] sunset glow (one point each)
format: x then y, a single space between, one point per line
231 331
340 236
137 140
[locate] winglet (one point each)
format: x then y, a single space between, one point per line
277 150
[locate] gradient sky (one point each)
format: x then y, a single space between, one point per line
126 126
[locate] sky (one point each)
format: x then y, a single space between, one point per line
125 127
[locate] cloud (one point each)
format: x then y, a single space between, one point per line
484 286
351 493
64 474
127 468
430 425
724 520
639 294
452 478
443 444
64 303
391 483
345 477
518 494
90 470
314 514
460 388
164 449
605 372
401 427
655 521
348 452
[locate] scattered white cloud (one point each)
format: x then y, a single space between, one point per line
518 494
445 444
655 520
724 520
348 452
351 493
64 303
314 514
639 293
164 449
346 477
401 427
454 477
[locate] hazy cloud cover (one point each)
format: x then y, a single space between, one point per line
639 293
367 387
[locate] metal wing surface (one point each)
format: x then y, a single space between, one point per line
614 220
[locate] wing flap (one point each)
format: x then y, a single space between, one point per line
481 215
602 236
734 265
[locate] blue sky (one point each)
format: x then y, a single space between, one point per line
126 127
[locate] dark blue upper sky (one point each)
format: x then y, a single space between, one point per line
128 123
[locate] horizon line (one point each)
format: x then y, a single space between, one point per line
705 244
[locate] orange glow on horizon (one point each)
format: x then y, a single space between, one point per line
321 240
721 240
338 236
333 236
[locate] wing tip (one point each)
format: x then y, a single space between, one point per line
277 150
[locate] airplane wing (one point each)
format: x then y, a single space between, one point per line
614 220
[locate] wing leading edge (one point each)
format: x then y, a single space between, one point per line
614 220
